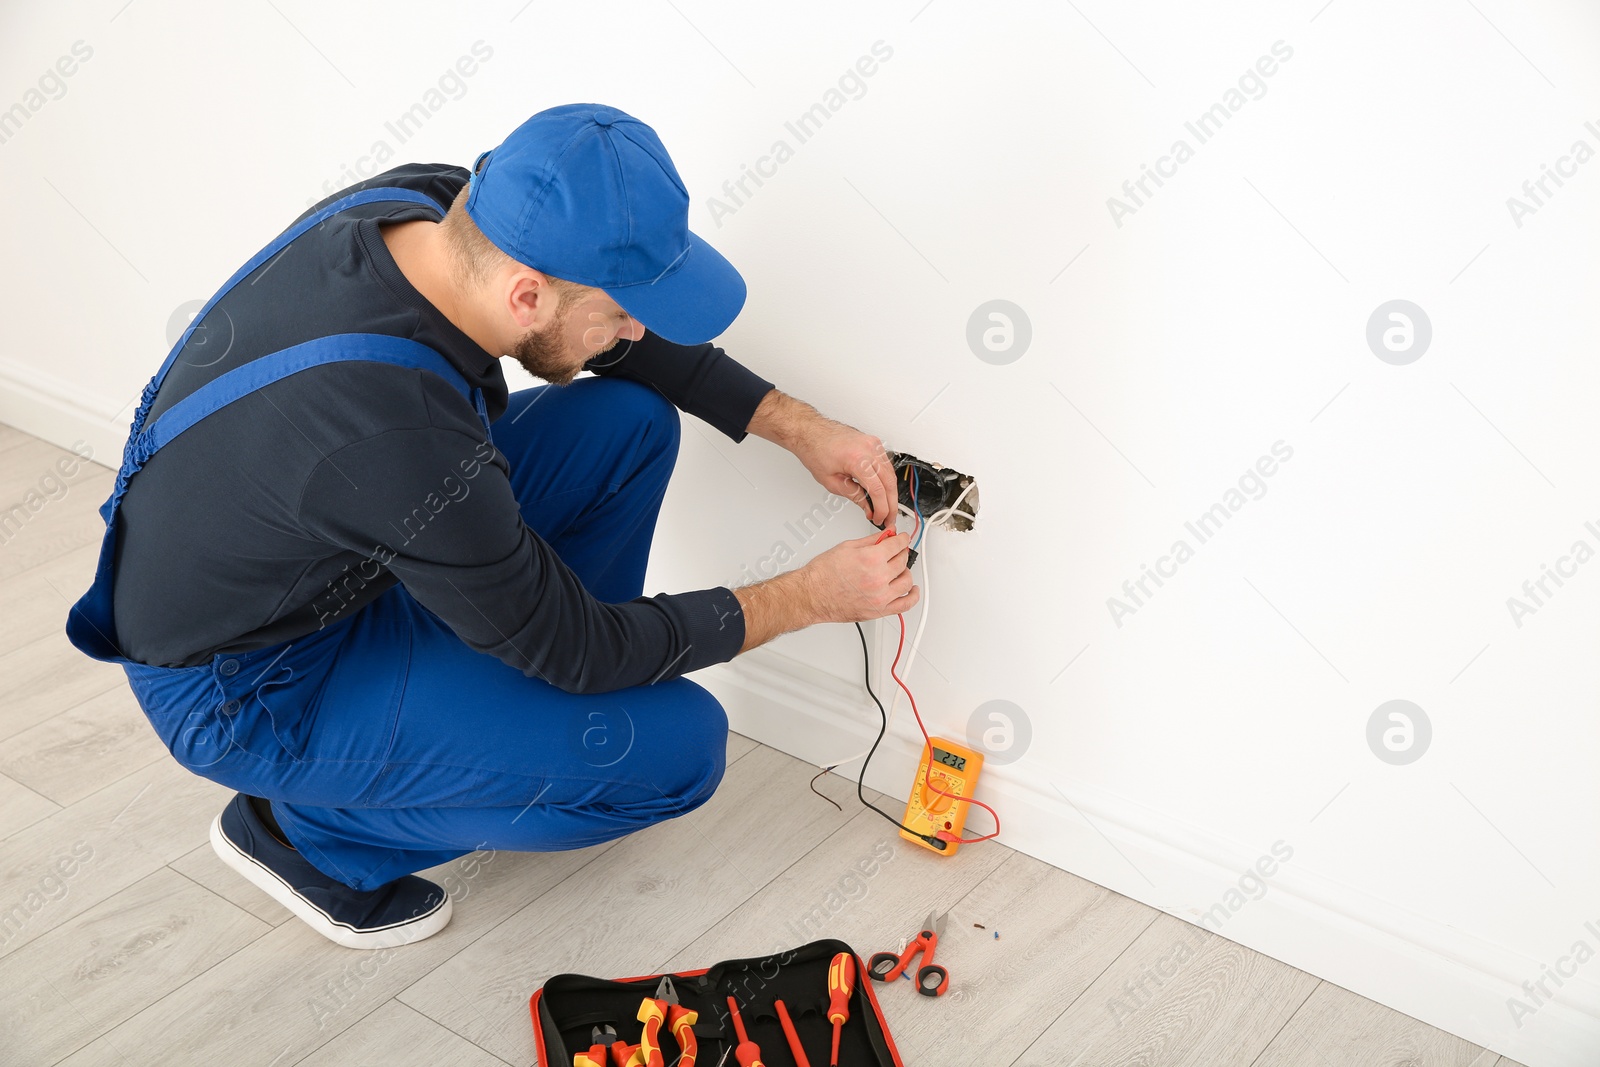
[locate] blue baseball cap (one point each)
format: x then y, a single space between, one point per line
587 193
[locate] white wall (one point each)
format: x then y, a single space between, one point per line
1168 353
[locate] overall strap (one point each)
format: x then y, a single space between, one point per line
90 623
279 243
226 388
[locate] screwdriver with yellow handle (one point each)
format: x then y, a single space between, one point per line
841 982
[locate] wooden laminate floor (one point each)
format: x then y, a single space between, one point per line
148 951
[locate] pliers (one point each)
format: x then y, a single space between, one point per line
664 1007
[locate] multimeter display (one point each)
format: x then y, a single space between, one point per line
950 759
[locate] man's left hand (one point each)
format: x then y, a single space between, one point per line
844 460
851 464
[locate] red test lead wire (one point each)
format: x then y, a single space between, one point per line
943 835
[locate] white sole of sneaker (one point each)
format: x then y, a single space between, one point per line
263 879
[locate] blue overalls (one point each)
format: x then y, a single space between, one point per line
386 744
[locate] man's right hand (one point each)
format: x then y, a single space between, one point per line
863 579
853 581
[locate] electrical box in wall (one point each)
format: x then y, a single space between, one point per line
932 490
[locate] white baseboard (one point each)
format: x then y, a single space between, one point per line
1406 961
62 413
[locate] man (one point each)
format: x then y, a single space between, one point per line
400 611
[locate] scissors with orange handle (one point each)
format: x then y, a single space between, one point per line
932 979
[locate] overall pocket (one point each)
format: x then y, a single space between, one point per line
174 700
271 697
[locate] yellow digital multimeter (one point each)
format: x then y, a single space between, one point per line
951 768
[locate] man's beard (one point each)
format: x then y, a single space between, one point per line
543 353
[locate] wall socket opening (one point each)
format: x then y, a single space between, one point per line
938 488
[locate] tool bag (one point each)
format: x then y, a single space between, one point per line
566 1009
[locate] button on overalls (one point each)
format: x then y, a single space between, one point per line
386 744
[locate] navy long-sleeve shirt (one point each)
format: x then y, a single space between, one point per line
243 531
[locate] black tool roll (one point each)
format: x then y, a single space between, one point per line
567 1008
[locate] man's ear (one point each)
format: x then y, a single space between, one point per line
530 300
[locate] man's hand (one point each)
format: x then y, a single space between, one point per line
863 579
842 459
853 581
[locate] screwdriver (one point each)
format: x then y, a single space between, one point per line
841 979
748 1053
788 1033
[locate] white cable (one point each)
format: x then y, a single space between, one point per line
916 642
922 620
944 513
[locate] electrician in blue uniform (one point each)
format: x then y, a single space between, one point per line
398 609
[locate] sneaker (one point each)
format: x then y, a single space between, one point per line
405 910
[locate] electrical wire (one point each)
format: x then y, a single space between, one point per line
887 716
916 643
916 506
922 616
927 599
943 835
819 792
883 718
944 513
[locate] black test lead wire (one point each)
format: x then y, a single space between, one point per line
883 716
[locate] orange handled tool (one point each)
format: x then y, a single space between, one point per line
841 982
653 1012
664 1008
748 1053
626 1055
680 1022
602 1038
932 979
788 1032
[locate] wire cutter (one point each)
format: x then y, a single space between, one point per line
932 979
602 1038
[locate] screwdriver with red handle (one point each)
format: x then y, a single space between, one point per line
841 981
748 1052
789 1035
